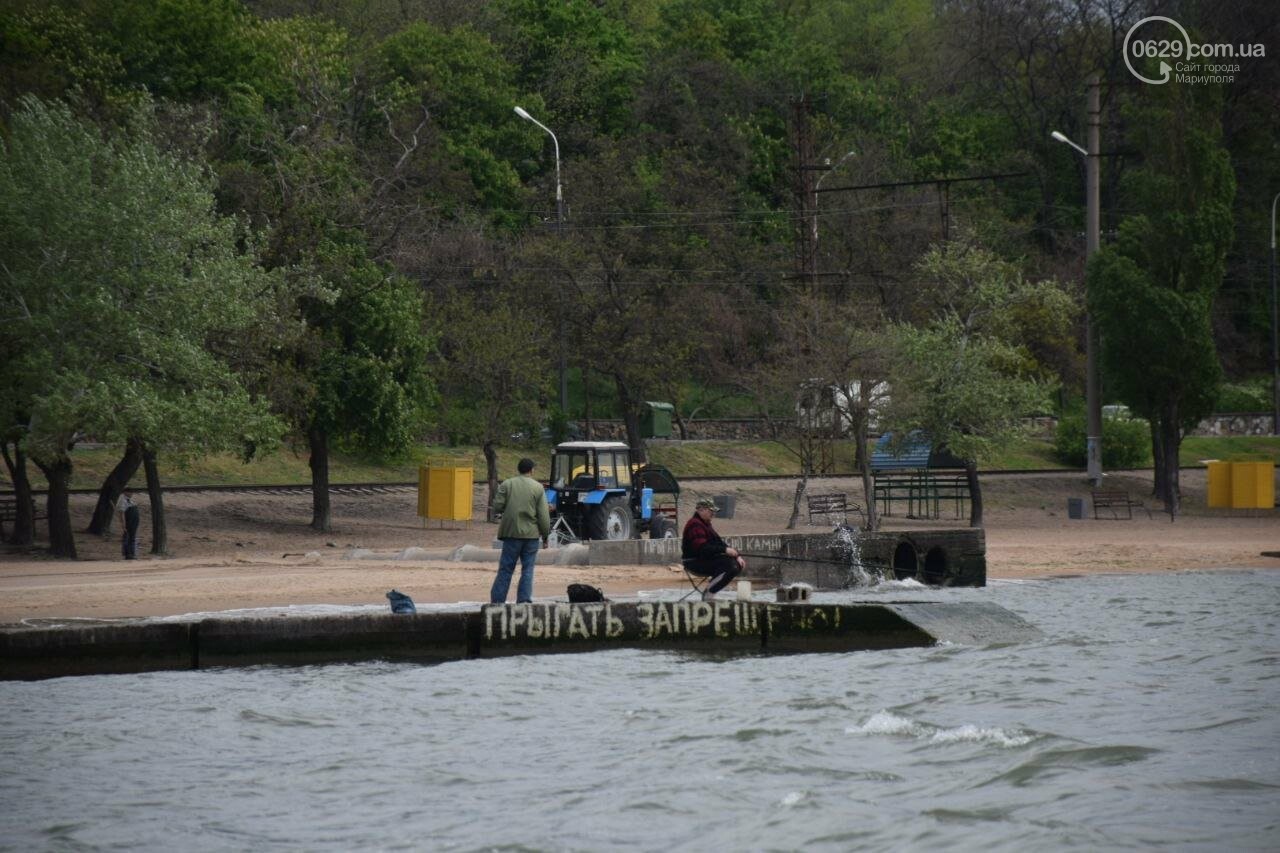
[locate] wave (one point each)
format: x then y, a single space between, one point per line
888 723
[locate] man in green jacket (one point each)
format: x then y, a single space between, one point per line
522 503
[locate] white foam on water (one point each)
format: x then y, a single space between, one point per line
793 798
888 723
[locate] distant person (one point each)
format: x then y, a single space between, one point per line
526 518
706 554
130 517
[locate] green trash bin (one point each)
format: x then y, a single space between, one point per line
655 420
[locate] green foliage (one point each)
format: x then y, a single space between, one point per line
461 84
123 293
1126 442
965 393
175 48
51 52
1151 293
1251 396
493 369
583 60
370 376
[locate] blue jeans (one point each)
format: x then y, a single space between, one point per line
527 551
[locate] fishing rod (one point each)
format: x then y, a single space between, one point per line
795 559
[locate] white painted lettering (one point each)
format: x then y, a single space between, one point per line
702 615
594 611
724 612
662 620
645 613
499 613
613 625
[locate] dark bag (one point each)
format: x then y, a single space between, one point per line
580 593
401 603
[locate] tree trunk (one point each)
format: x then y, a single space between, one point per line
62 540
105 512
680 425
24 523
491 473
318 441
1158 486
868 486
1171 439
975 493
795 504
586 402
159 532
631 418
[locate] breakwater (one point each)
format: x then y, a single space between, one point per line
842 559
722 627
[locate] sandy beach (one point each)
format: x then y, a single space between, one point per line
245 550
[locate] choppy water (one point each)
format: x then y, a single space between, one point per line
1146 719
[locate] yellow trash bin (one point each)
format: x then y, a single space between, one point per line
1253 485
1219 484
444 491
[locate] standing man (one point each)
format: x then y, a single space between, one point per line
706 554
526 518
130 517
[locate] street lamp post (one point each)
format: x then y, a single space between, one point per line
1275 333
564 382
1093 401
818 186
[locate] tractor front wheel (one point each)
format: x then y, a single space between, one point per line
611 520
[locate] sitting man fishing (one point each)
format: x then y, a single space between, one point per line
706 554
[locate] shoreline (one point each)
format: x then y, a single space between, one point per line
237 551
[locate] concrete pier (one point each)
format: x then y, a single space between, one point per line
831 560
721 627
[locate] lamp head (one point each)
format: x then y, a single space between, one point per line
1056 135
520 111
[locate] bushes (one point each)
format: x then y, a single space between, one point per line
1126 442
1250 396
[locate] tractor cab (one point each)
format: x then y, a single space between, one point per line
595 492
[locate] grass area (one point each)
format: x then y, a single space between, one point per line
1242 448
687 459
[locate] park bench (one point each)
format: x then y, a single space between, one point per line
9 512
834 503
924 493
1116 500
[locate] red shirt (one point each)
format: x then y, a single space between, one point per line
700 539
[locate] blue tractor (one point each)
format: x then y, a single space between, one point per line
596 493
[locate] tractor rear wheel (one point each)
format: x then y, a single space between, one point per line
611 520
662 527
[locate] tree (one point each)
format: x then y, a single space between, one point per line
810 387
963 378
120 279
493 372
1152 291
365 366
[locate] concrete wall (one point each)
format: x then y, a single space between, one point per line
831 560
723 627
1043 426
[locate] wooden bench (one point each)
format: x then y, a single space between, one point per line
834 503
9 511
1116 500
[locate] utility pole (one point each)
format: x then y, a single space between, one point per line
804 191
1275 333
1093 393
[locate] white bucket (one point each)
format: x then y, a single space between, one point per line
744 590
